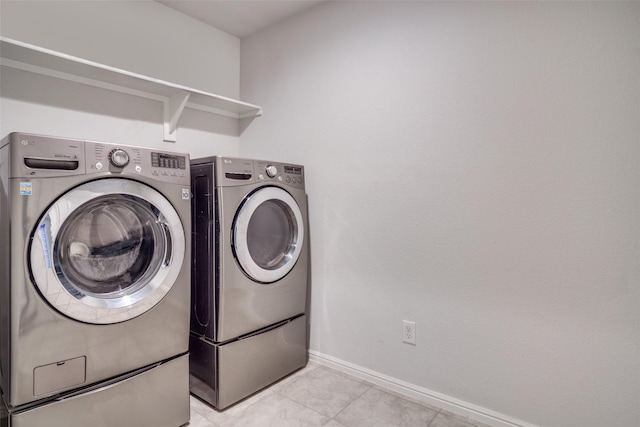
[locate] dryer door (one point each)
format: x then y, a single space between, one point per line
107 251
268 234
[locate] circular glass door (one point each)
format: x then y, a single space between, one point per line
268 233
107 251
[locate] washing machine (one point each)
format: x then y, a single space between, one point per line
249 276
94 283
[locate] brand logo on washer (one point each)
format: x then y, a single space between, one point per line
185 194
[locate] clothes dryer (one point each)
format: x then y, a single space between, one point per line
94 283
249 277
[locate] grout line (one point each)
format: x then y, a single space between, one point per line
354 400
434 417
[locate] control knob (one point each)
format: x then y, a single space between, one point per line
119 158
271 171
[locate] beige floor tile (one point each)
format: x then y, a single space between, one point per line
277 411
410 399
197 420
324 391
320 396
378 408
289 378
219 417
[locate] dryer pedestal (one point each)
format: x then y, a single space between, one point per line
158 396
223 374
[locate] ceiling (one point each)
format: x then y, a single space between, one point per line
240 18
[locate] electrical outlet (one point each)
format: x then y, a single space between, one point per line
409 332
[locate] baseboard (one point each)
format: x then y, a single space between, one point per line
418 393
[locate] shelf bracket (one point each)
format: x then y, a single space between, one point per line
173 108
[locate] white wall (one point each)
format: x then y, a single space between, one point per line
144 37
473 167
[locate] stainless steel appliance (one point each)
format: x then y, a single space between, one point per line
94 283
249 277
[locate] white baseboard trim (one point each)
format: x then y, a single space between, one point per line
418 393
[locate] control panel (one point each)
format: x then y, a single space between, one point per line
166 167
281 173
234 171
38 156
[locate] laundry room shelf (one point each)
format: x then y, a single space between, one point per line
175 97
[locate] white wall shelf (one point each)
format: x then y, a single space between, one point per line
175 98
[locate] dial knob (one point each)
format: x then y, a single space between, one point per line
119 158
271 171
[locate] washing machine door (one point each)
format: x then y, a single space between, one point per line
268 234
107 251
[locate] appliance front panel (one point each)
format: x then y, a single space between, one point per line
41 335
107 251
245 305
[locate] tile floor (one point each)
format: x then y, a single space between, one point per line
320 396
